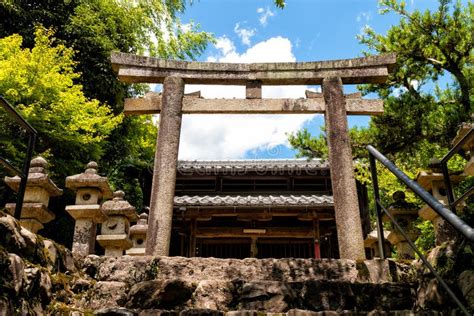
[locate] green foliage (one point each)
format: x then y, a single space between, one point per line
280 4
93 29
39 82
426 241
130 172
416 125
308 146
427 44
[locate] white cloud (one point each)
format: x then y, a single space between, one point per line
225 45
264 15
232 136
364 17
244 34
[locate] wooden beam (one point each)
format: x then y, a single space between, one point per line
141 69
151 104
271 232
253 213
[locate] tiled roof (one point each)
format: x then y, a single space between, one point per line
262 165
254 200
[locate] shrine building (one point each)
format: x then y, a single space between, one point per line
256 208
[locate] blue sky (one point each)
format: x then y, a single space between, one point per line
257 31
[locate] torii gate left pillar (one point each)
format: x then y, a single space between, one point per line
330 74
164 170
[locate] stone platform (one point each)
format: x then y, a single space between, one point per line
40 277
227 285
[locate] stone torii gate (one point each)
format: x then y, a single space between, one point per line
331 75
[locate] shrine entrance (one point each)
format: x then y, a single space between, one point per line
332 102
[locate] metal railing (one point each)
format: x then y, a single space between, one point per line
23 174
452 201
440 209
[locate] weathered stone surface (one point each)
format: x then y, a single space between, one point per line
119 206
371 69
346 205
39 188
137 269
175 286
114 235
17 272
138 236
50 251
37 178
201 312
253 89
151 103
271 296
127 269
213 294
164 170
162 294
120 311
107 293
38 281
466 285
158 312
91 184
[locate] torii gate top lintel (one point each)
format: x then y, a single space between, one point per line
141 69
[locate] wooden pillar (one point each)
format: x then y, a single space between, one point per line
253 247
192 238
346 205
164 171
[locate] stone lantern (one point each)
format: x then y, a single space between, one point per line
138 236
371 244
39 188
405 214
434 182
90 189
115 230
468 146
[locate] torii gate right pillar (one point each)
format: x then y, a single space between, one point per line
346 205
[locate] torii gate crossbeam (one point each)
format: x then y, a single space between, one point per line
331 75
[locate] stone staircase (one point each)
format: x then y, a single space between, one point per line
209 286
40 277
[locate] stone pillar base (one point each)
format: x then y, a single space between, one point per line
113 252
84 237
31 224
114 245
135 252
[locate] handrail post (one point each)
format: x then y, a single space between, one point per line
448 186
378 210
24 177
32 133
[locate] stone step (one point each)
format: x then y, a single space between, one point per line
138 269
292 312
269 296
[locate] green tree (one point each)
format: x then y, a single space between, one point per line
40 83
417 124
95 28
428 45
